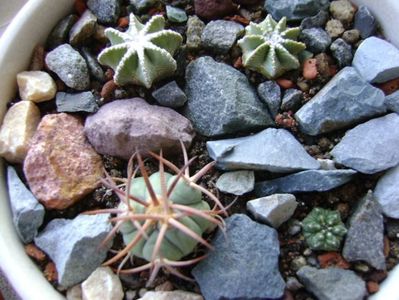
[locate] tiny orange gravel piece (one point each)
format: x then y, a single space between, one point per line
390 86
123 22
373 287
50 272
35 253
333 259
285 83
108 88
310 69
80 6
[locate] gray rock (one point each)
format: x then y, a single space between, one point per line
332 283
274 150
370 147
194 31
176 15
249 260
387 193
365 22
94 67
141 6
326 164
351 36
218 106
70 66
84 101
273 210
292 100
221 35
107 11
170 95
317 40
342 52
344 100
306 181
392 101
373 66
27 212
365 238
73 245
236 183
295 9
59 34
83 28
270 93
334 28
318 20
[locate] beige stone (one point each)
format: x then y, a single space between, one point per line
74 293
175 295
102 284
19 125
36 86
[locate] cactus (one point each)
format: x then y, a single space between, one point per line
270 48
323 229
142 54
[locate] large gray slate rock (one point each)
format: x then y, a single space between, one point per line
392 102
243 266
306 181
85 101
295 9
377 60
344 100
221 100
27 212
73 245
365 238
274 150
332 283
370 147
221 35
387 193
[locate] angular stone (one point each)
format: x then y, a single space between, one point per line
94 67
211 9
365 238
61 167
342 52
217 106
74 246
274 150
370 147
373 66
121 126
344 100
365 22
295 9
342 10
27 213
175 14
84 101
292 100
306 181
107 11
386 193
141 6
270 93
19 126
273 210
172 295
59 34
170 95
36 86
236 183
316 39
104 277
318 20
333 283
70 66
392 102
249 260
194 31
219 36
83 28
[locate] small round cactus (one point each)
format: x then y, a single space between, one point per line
323 229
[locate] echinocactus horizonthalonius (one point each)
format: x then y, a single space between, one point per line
143 53
271 48
323 229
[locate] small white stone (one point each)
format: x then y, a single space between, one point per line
36 86
102 284
326 164
237 182
175 295
74 293
19 125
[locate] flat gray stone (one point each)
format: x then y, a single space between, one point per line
84 101
332 283
370 147
27 212
392 102
270 93
73 245
295 9
218 106
318 20
273 210
274 150
221 35
365 238
306 181
107 11
342 52
344 100
170 95
387 193
249 260
373 66
292 100
83 28
175 14
317 40
365 22
237 182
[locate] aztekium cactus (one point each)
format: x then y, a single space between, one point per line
323 229
143 53
271 48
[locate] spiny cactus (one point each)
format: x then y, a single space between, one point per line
323 229
270 48
161 217
142 54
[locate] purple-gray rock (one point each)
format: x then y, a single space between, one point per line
107 11
387 193
365 22
392 102
318 20
59 34
295 9
243 266
342 52
270 93
370 147
292 100
219 36
74 246
365 238
317 40
274 150
122 126
94 67
84 101
83 28
344 100
170 95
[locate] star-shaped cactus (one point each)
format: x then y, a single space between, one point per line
271 48
143 53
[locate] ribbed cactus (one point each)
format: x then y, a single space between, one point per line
143 53
270 48
323 229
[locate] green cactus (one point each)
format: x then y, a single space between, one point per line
270 48
323 229
143 53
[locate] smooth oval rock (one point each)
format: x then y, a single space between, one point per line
236 183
